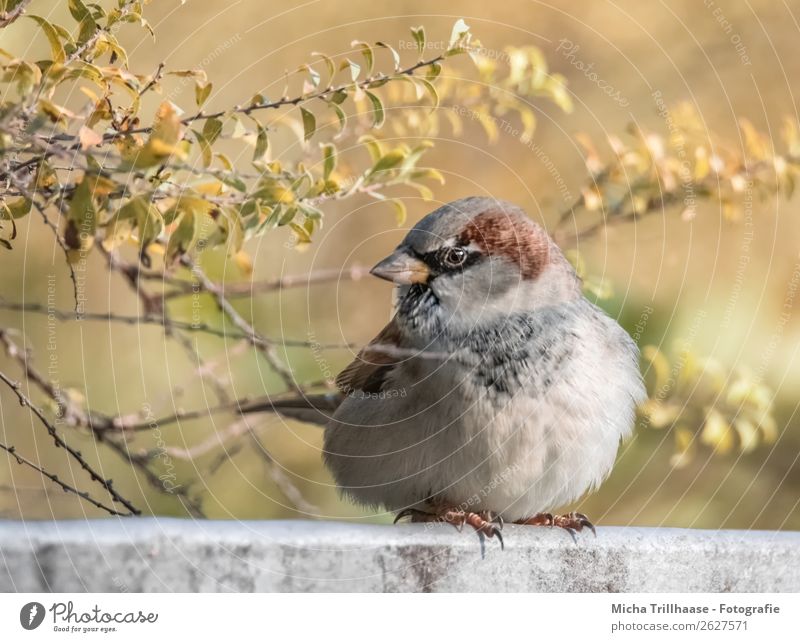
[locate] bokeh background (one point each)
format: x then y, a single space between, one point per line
732 61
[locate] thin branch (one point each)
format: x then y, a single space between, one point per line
218 438
180 492
7 17
124 10
267 348
318 277
67 488
363 84
59 441
201 368
283 102
281 479
39 208
165 322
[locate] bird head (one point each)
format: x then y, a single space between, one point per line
474 260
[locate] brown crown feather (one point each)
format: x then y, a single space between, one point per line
513 237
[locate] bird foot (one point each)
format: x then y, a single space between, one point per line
484 523
573 523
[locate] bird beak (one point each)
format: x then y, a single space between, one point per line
401 268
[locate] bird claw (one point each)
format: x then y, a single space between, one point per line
485 523
573 522
412 513
583 522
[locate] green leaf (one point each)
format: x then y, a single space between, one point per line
56 48
355 68
311 212
329 159
17 208
329 65
78 10
378 114
309 123
373 146
262 142
459 37
301 233
183 236
205 149
400 211
81 220
433 72
418 33
338 97
287 215
424 191
366 52
150 224
422 86
313 75
231 180
117 51
393 52
212 129
390 160
339 114
201 92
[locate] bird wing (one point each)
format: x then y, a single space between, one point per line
368 371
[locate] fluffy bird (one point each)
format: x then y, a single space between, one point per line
496 392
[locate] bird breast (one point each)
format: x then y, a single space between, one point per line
518 419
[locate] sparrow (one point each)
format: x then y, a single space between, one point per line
497 392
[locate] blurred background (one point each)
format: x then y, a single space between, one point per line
726 287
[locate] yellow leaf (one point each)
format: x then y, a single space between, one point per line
717 433
89 138
244 262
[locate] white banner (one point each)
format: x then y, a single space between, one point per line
153 616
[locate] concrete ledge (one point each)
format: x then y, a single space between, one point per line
155 554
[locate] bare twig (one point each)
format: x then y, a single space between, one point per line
318 277
59 441
281 479
165 322
180 492
283 102
39 208
67 488
267 348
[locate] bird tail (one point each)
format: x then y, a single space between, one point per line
314 409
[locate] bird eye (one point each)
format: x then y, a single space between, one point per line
453 257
